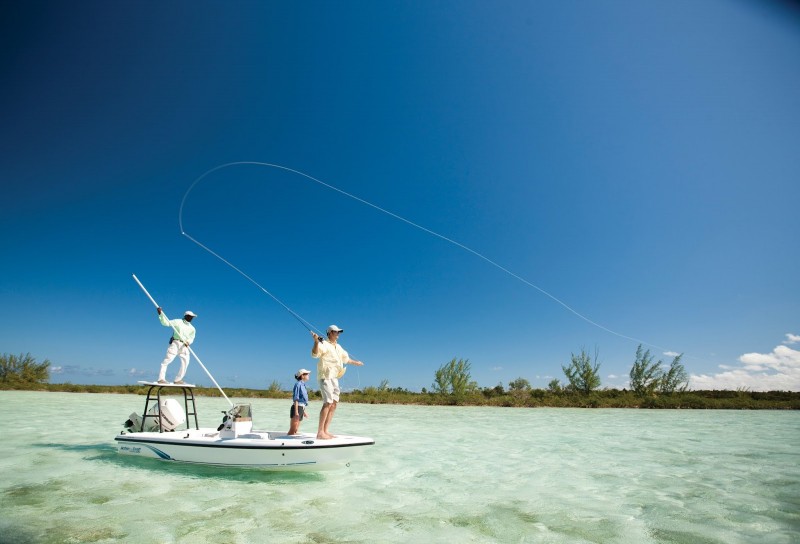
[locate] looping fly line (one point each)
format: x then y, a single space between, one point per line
305 323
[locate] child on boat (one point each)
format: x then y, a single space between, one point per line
299 400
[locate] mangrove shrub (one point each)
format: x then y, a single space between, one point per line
23 370
582 374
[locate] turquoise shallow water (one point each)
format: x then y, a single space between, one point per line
436 474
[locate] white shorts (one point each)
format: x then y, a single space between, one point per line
330 390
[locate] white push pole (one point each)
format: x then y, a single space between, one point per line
190 349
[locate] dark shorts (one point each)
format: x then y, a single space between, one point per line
301 409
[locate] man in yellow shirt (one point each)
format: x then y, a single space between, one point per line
332 358
182 337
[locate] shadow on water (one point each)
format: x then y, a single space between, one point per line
105 453
18 535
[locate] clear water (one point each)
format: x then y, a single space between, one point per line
436 474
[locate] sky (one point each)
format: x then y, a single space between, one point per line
590 176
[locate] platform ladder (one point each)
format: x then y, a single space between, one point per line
188 397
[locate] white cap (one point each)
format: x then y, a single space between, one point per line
300 373
189 312
335 328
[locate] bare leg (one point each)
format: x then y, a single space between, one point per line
294 425
328 420
325 415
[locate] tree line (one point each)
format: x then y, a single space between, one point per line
647 377
652 385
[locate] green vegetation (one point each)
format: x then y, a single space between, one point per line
490 396
452 382
648 377
583 376
602 398
520 384
674 379
650 388
274 387
645 374
21 370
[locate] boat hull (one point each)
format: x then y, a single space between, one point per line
262 450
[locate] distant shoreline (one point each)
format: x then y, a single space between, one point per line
534 398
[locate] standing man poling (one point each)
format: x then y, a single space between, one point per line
332 358
182 337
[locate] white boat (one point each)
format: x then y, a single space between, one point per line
158 433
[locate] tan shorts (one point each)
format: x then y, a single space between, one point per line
330 390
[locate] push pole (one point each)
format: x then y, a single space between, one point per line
190 349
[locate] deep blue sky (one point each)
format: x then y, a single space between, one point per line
636 160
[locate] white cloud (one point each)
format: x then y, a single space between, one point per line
77 370
792 338
671 353
776 371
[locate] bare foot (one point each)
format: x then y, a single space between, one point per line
322 436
